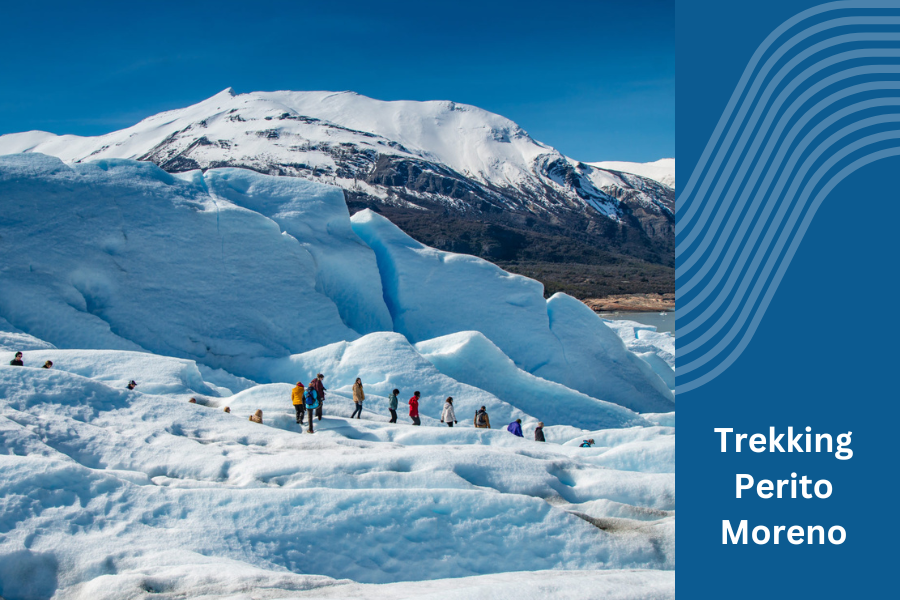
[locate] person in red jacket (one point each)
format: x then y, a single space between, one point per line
316 384
414 409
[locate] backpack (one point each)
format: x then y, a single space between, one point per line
585 444
311 398
481 417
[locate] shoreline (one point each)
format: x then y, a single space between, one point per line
633 303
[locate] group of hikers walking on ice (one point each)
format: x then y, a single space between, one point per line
311 398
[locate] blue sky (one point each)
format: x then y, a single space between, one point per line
594 79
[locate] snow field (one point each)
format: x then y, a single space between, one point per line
99 480
231 579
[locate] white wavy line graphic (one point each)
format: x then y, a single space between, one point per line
719 256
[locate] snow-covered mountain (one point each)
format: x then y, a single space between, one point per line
414 161
662 171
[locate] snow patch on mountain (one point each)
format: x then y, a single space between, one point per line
662 170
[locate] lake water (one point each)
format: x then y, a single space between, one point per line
662 321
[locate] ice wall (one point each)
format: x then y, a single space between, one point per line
235 270
121 255
431 293
316 216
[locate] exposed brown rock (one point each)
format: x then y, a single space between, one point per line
633 303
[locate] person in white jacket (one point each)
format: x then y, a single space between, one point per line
447 415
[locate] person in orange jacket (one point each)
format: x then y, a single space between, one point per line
298 402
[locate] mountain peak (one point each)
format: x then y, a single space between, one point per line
418 163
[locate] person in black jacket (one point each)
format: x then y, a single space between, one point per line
539 433
316 384
392 405
17 361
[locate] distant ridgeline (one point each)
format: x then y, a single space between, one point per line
452 176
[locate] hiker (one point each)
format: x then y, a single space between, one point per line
17 361
358 396
414 409
132 384
317 385
482 421
298 401
515 428
257 416
228 409
539 433
311 402
48 365
447 415
392 405
587 443
192 401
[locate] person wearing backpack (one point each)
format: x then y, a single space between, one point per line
320 388
312 402
515 428
482 421
298 402
539 432
447 415
414 409
587 443
358 397
392 405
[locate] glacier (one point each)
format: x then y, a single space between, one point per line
227 286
